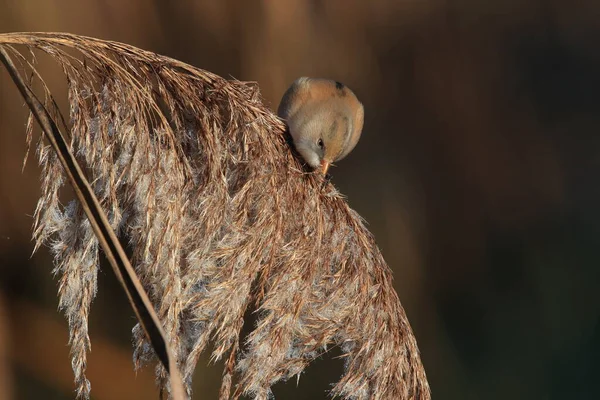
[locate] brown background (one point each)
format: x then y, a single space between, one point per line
477 172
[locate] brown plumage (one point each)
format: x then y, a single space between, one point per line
325 120
195 174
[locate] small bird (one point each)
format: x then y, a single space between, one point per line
325 120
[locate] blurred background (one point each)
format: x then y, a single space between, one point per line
477 172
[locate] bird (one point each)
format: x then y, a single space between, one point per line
325 120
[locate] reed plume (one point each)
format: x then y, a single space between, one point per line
198 177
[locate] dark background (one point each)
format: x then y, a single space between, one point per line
477 172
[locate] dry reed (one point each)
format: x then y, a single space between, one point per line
197 175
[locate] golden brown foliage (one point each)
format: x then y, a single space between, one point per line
198 175
107 238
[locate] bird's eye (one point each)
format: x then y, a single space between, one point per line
320 143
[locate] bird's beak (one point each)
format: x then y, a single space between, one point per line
324 166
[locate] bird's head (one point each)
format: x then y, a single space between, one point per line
321 137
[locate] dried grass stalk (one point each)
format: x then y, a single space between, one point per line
197 174
107 238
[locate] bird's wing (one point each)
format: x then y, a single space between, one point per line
357 126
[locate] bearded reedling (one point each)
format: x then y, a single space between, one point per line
325 120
